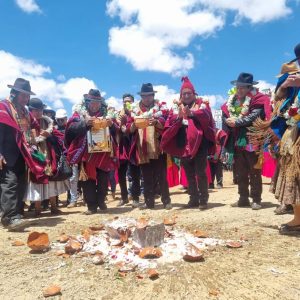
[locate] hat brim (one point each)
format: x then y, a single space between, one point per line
89 98
290 73
20 90
147 93
295 59
238 83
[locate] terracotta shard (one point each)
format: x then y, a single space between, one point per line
52 290
153 274
98 260
17 243
63 238
122 274
124 234
214 293
128 268
121 233
38 241
97 227
150 252
234 245
200 233
73 246
170 221
60 253
142 223
86 234
193 253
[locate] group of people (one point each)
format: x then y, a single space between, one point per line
43 155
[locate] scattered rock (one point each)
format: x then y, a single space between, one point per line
214 293
200 233
17 243
63 238
193 254
153 274
150 252
73 246
98 260
234 245
170 221
38 241
52 290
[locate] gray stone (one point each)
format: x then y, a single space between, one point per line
150 236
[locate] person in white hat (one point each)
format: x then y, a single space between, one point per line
61 119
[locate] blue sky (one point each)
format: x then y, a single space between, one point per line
66 47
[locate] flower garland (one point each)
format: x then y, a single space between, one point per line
293 113
158 110
177 103
237 111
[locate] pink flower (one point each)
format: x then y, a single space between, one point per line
293 111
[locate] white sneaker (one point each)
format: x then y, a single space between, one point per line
255 206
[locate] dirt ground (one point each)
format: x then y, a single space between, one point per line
266 267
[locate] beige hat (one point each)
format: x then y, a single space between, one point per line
290 68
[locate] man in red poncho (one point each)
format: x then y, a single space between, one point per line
189 134
95 166
243 107
15 154
145 146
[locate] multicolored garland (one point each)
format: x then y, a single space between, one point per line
236 111
292 115
158 110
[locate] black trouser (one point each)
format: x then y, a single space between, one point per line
94 192
135 176
216 169
244 163
195 170
155 170
13 186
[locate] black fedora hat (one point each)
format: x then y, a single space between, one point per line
244 79
22 85
147 89
93 95
297 52
36 103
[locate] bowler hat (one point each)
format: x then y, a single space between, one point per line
22 85
244 79
297 52
93 95
36 103
147 89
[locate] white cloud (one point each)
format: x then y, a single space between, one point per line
49 90
114 102
264 85
154 35
28 6
254 10
165 94
149 42
215 101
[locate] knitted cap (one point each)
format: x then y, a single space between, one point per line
186 84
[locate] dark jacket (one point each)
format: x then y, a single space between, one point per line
8 145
